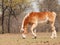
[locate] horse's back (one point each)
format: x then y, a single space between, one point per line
40 16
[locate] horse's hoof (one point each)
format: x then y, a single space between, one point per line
34 37
23 38
53 37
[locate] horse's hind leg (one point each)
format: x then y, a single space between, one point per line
53 31
33 30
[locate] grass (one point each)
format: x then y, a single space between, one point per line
16 39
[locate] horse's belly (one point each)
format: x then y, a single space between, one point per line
42 21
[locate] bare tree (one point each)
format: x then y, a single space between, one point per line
50 5
2 16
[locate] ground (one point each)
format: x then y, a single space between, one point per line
43 38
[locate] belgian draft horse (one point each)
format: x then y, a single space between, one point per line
34 18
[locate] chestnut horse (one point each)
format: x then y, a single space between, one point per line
34 18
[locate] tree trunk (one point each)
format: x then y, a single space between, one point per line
2 17
9 23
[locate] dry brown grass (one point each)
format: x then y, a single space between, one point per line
16 39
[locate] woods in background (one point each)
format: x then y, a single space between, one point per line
13 12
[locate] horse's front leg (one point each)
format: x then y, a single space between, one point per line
54 35
33 30
24 31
